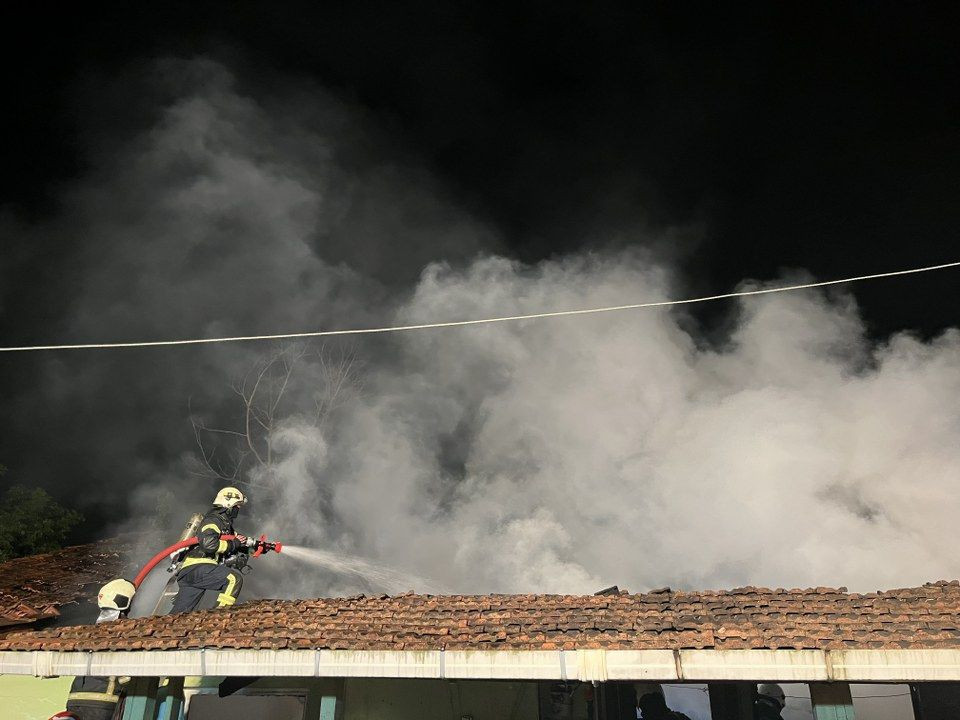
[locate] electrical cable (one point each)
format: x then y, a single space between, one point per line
482 321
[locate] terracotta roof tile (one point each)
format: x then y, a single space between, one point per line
825 618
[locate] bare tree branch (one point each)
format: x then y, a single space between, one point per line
249 402
221 431
288 368
263 391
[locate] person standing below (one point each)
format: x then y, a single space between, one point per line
212 563
770 702
652 705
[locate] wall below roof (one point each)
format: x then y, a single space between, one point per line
393 699
387 698
314 689
23 697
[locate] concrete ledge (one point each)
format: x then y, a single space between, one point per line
658 665
493 665
782 665
378 663
895 665
584 665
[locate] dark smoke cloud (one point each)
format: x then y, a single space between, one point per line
561 455
224 214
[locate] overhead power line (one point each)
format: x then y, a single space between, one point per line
482 321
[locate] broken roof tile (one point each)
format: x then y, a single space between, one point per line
37 587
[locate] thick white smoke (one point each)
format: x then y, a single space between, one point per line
611 449
555 455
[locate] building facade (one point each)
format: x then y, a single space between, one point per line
875 656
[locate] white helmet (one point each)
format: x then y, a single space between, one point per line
229 497
116 595
773 692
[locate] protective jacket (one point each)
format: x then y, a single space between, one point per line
95 698
767 710
211 550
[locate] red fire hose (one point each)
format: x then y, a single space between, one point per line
262 546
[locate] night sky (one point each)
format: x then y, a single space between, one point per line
758 138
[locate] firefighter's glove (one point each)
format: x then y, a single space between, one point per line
244 541
237 560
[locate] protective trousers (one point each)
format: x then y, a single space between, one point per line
197 579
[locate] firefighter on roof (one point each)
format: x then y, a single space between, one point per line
214 564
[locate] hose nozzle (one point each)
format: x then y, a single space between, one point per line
263 545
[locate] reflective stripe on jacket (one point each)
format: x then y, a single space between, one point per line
95 691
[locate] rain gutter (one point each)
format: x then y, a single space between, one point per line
893 665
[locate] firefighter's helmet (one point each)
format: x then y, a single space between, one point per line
116 595
229 497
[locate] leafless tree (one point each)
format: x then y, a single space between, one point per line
264 397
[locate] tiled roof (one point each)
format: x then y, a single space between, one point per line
821 618
36 587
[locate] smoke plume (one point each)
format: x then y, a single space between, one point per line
558 455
